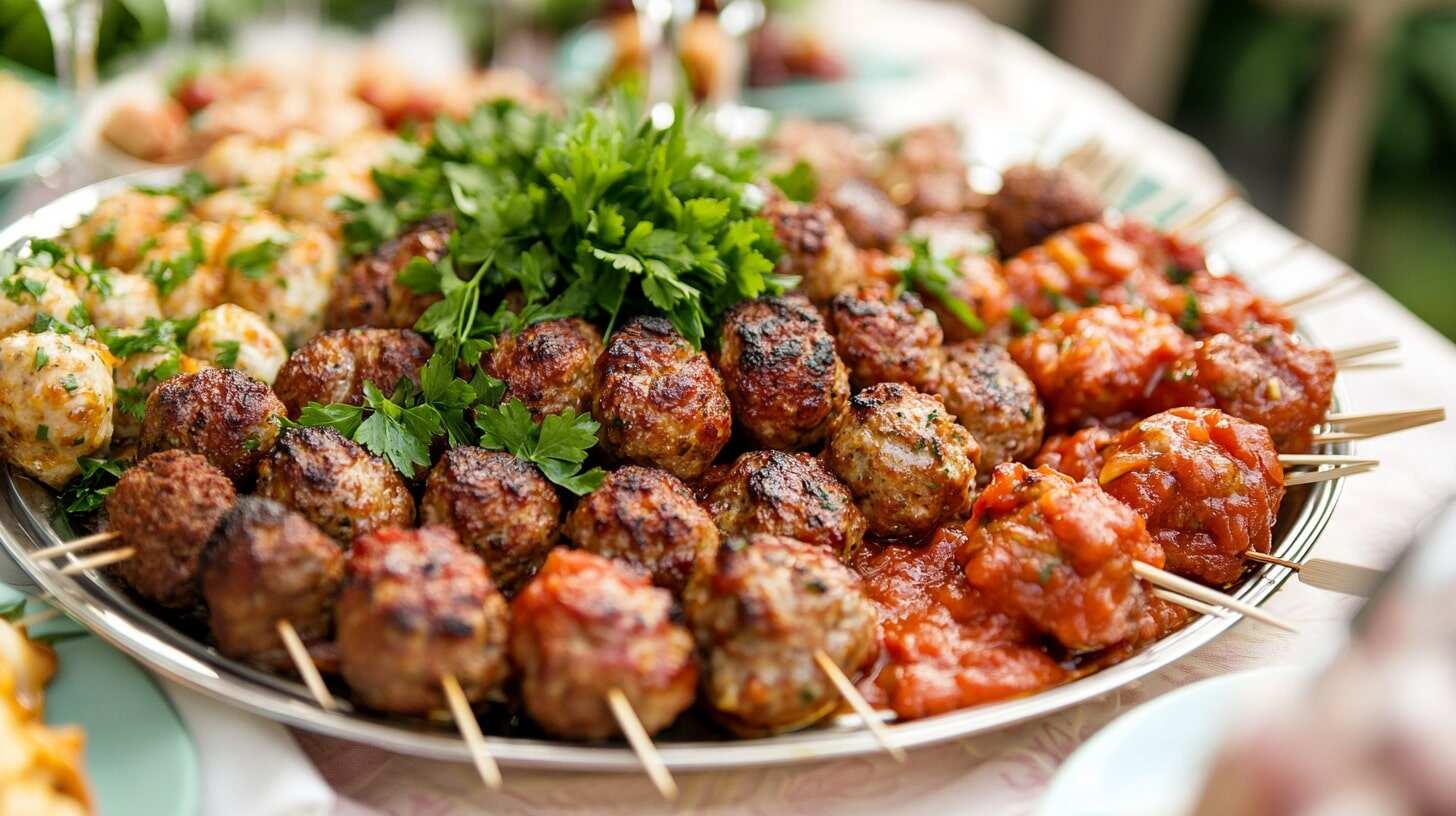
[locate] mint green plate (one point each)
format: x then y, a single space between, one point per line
139 756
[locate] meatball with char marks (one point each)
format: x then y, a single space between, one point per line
993 398
585 627
223 414
782 375
335 365
548 365
417 607
884 336
870 218
1036 201
369 294
334 483
786 494
816 249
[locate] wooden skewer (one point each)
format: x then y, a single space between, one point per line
1188 603
1199 592
1349 579
1291 459
305 665
1204 215
1392 424
1343 283
82 543
37 618
860 705
100 559
1339 472
1364 422
1364 349
1385 364
470 730
641 743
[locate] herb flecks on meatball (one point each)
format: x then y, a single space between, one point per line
334 483
225 415
547 365
334 366
786 494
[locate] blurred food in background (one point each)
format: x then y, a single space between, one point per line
41 769
21 105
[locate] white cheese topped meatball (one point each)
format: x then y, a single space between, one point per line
229 336
31 291
283 272
56 399
122 226
182 263
118 300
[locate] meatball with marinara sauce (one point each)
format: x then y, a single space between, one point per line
1077 454
646 518
335 365
1060 554
369 294
1208 485
548 365
1035 201
993 398
980 285
787 494
886 336
416 607
760 612
1262 374
779 368
909 465
587 626
265 564
225 415
334 483
816 248
1096 363
660 402
500 506
165 508
1081 266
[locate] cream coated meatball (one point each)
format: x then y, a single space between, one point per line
225 415
229 336
183 264
499 506
787 494
334 483
283 272
816 248
335 365
119 300
368 292
783 378
231 204
56 402
910 466
309 187
760 612
885 336
548 365
992 397
136 377
242 160
646 518
117 232
32 291
660 402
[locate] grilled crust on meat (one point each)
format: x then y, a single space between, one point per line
334 483
369 294
886 337
992 397
782 375
816 248
786 494
220 413
548 365
165 508
334 366
1036 201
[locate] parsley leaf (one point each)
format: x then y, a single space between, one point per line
192 188
227 352
799 183
934 275
557 445
87 492
256 261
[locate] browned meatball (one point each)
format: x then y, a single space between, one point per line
416 607
787 494
165 508
265 564
910 466
1036 201
760 613
220 413
334 483
500 506
649 519
334 366
659 401
886 337
870 218
586 626
370 294
926 172
548 366
816 248
993 398
783 378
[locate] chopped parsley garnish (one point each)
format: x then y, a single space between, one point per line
87 492
42 433
934 275
1191 319
308 175
16 286
192 188
170 273
1177 274
41 358
227 352
799 183
1021 321
69 383
558 444
256 261
154 335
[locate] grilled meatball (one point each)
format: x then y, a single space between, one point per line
223 414
165 508
136 377
118 300
548 366
265 564
586 626
1036 201
1060 554
1208 485
783 378
1079 454
926 173
56 403
786 494
886 337
334 483
647 518
417 607
335 365
499 506
369 292
229 336
994 399
1096 363
30 292
660 402
760 613
816 248
183 261
870 218
907 462
122 225
283 271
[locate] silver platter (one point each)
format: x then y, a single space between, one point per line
104 608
